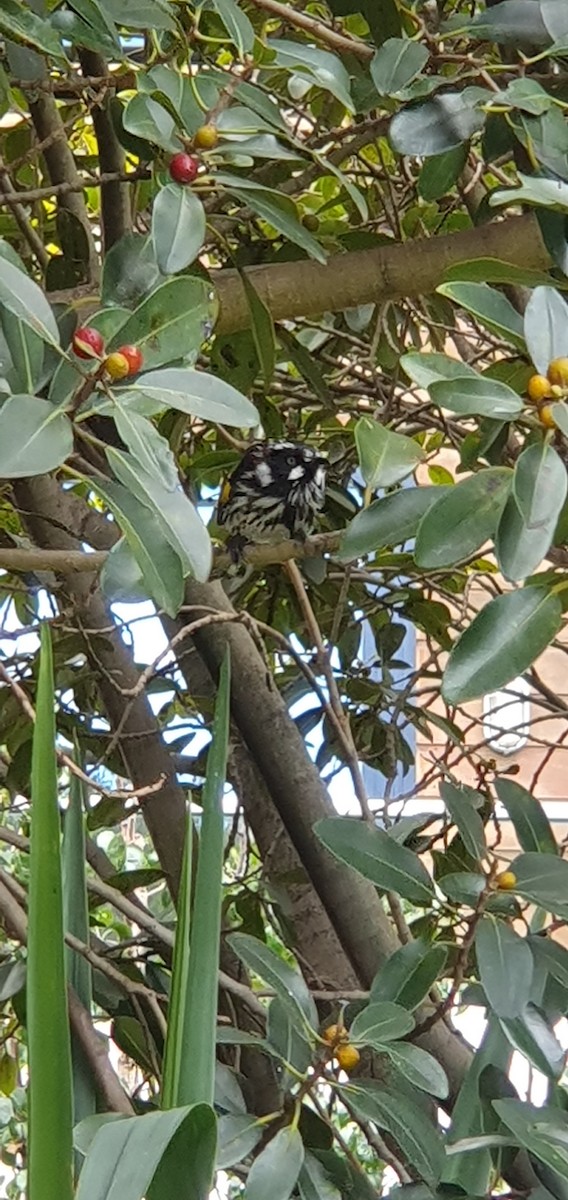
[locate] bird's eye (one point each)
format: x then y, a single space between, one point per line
291 460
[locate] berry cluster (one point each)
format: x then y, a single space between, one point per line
89 343
183 167
544 389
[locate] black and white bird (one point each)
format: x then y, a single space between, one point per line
274 493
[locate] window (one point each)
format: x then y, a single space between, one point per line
506 715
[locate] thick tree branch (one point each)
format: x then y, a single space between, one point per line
116 213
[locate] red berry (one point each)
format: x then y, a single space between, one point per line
133 357
88 342
184 167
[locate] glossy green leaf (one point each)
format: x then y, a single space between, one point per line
26 351
513 22
462 519
148 1156
384 457
532 1036
552 956
172 322
237 1137
424 369
146 445
545 324
324 68
489 306
459 804
276 208
543 1132
26 28
505 966
473 1115
284 1033
528 524
147 119
542 879
121 578
477 397
440 173
177 1008
274 1173
551 194
376 856
179 521
501 642
76 921
408 975
495 270
416 1136
388 522
463 887
22 297
139 14
199 394
279 975
262 328
178 227
379 1023
158 561
436 126
50 1154
237 24
35 437
314 1182
420 1068
527 815
396 64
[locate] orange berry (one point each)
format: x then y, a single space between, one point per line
506 881
546 418
133 357
347 1057
206 137
334 1034
558 372
117 365
538 388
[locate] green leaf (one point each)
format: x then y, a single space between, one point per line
148 1156
379 1023
321 66
197 1060
147 119
420 1068
23 26
76 921
26 352
159 563
463 887
505 966
285 1036
274 1173
177 1008
545 324
279 975
396 64
542 879
462 811
35 437
439 173
262 328
314 1183
121 578
22 297
489 306
130 271
197 393
424 369
50 1161
511 22
528 524
388 522
436 126
237 1137
552 956
542 1131
139 14
416 1136
501 642
462 519
146 445
477 397
276 209
407 976
384 457
181 525
494 270
551 194
376 856
178 227
237 24
530 1034
171 323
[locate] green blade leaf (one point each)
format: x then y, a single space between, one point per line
23 26
396 64
380 1023
197 1063
528 817
177 1009
376 856
389 521
416 1136
237 24
285 1036
325 68
197 393
22 297
171 322
505 967
501 642
544 880
237 1137
407 976
276 209
384 457
436 126
477 398
545 321
146 445
287 982
420 1068
553 956
458 801
274 1173
424 369
149 1156
147 119
532 1036
50 1163
314 1183
35 437
76 921
489 306
543 1132
462 519
528 524
262 328
178 227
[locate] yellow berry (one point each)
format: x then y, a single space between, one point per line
347 1057
538 388
206 137
546 418
506 881
117 365
334 1034
558 371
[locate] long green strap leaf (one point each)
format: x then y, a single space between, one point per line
51 1108
180 974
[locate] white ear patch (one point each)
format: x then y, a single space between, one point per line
296 473
263 474
319 477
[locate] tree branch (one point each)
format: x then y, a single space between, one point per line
116 214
